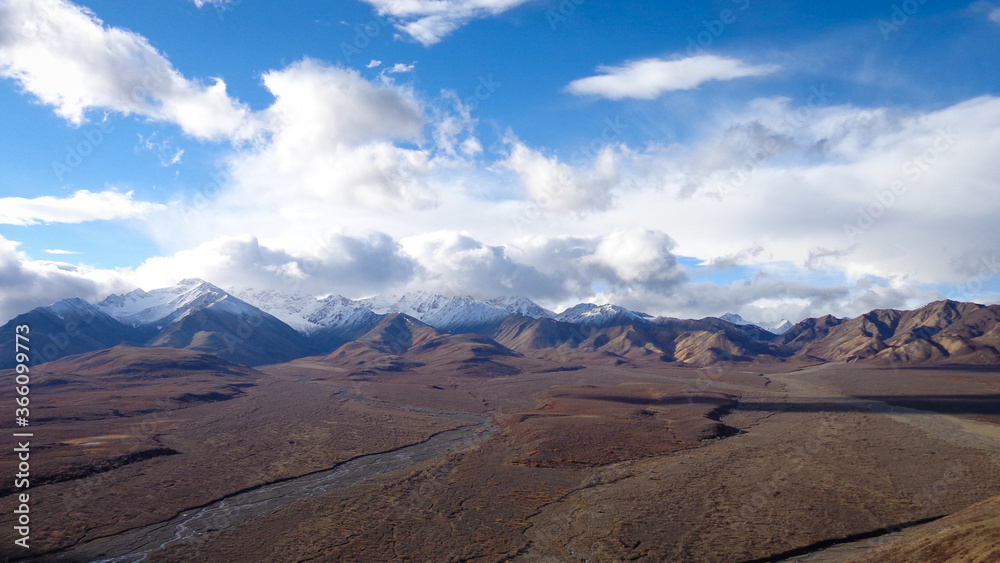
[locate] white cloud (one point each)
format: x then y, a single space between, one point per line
766 298
64 55
649 78
638 256
373 64
399 68
344 264
26 283
558 186
550 269
82 206
60 251
202 3
815 187
456 263
167 154
332 137
995 15
430 21
632 267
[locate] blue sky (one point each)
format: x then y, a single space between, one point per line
768 158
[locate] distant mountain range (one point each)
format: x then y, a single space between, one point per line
258 327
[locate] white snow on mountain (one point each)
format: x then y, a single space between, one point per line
308 314
778 327
733 318
72 307
170 304
590 314
453 312
520 306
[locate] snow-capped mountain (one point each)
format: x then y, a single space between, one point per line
777 327
309 315
170 304
73 306
600 315
454 313
306 313
263 327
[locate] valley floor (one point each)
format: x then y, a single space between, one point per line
646 463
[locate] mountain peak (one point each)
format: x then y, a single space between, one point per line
775 327
398 333
163 305
600 315
735 319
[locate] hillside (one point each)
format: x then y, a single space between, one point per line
941 332
401 342
969 535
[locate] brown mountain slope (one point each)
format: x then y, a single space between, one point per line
940 332
689 342
127 380
808 330
400 342
250 339
969 535
525 334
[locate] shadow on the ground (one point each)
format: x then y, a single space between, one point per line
944 404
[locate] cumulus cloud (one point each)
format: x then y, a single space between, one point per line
647 79
66 57
334 136
636 268
638 256
430 21
344 264
841 189
79 207
558 186
549 269
456 263
26 283
767 299
595 267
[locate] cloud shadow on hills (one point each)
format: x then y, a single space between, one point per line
987 404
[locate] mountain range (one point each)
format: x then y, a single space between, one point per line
258 327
